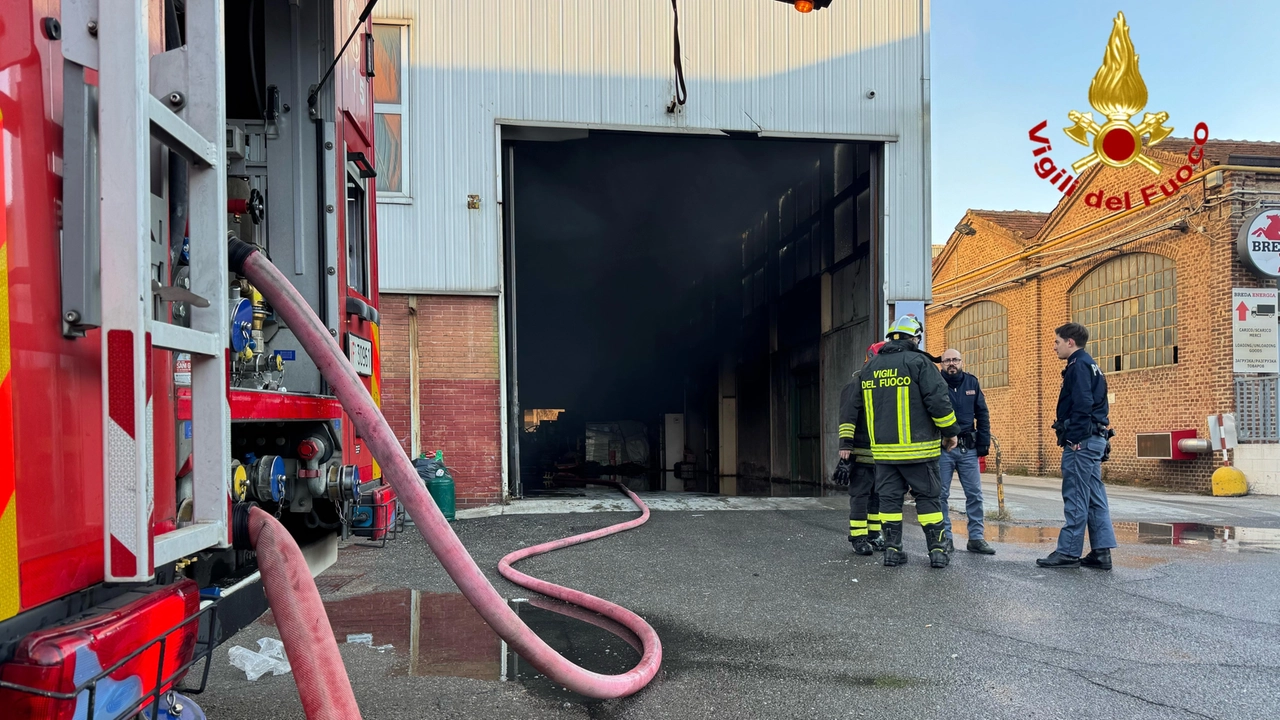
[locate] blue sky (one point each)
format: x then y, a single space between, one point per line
1000 67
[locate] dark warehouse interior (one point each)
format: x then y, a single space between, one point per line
651 275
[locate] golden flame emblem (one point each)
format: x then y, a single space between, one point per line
1118 92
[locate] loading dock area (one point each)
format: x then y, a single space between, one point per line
697 301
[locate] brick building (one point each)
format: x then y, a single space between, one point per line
1153 286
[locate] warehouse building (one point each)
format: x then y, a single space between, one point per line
679 261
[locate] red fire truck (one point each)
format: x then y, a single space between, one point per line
148 395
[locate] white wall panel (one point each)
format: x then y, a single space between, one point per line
749 65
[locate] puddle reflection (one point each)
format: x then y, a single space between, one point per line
1184 535
441 634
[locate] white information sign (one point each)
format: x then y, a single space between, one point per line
1255 332
361 353
1222 431
182 370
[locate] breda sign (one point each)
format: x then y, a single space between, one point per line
1259 243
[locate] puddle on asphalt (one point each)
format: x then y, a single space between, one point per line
440 634
1183 535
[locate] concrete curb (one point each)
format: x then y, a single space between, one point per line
657 502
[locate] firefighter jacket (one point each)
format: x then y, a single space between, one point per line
853 426
907 406
1083 410
971 412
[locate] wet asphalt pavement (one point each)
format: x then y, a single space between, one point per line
767 614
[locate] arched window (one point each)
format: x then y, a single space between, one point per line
1130 305
981 333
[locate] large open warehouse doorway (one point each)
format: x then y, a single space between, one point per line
682 311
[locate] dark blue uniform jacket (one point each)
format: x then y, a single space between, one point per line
1082 403
971 411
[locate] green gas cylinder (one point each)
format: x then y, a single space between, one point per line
441 488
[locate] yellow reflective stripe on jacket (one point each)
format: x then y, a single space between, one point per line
846 430
904 415
946 421
908 456
932 518
876 449
870 410
908 451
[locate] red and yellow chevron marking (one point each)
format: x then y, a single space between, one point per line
375 382
9 598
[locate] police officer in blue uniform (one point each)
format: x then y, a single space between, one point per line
974 442
1083 428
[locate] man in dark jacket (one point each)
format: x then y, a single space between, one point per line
855 445
974 442
908 413
1083 429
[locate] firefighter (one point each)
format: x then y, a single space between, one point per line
909 420
855 444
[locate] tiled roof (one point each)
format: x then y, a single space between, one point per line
1219 150
1022 223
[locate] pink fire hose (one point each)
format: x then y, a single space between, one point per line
397 469
308 640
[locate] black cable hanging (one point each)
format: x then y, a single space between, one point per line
682 92
364 15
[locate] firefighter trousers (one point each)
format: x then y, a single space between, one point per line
864 503
893 481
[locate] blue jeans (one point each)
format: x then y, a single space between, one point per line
965 463
1084 500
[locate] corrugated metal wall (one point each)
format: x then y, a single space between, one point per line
749 65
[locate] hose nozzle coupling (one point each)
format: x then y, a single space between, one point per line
237 252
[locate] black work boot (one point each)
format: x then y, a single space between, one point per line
860 544
935 536
980 546
876 540
1058 560
1097 559
893 554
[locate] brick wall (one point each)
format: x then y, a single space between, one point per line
458 386
1152 399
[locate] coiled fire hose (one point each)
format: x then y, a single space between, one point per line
372 427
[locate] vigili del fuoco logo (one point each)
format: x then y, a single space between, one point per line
1119 94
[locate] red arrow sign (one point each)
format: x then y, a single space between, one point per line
1243 311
